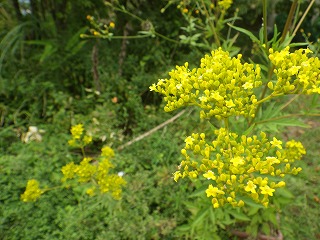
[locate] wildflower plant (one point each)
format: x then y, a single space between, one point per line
94 172
234 166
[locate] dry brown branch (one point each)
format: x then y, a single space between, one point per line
146 134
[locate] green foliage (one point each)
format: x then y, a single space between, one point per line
52 78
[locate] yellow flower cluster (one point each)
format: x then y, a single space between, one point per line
96 172
32 192
296 72
222 86
225 4
238 166
79 138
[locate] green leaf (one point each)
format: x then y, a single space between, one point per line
284 192
199 218
265 228
238 215
246 32
75 43
253 210
287 122
246 132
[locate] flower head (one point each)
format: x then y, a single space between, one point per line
238 165
221 86
32 192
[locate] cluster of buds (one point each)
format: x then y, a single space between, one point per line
96 172
222 86
238 166
32 192
296 72
99 29
79 137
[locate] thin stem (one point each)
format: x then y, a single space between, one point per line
290 101
232 23
83 152
288 116
269 97
130 37
265 30
260 102
226 125
303 17
289 20
123 10
213 29
166 38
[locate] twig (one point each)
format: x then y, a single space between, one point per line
95 64
146 134
289 20
302 18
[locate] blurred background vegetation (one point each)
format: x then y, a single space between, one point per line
51 78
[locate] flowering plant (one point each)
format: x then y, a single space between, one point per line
235 166
95 171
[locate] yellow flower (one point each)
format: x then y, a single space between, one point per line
107 152
68 171
32 192
250 187
213 191
247 85
85 170
112 24
209 175
237 161
177 175
267 190
87 139
230 104
90 192
276 143
77 131
225 4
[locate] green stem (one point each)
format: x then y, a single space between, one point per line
232 23
290 101
260 102
269 97
211 24
265 30
126 37
123 10
83 152
288 116
166 38
226 125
